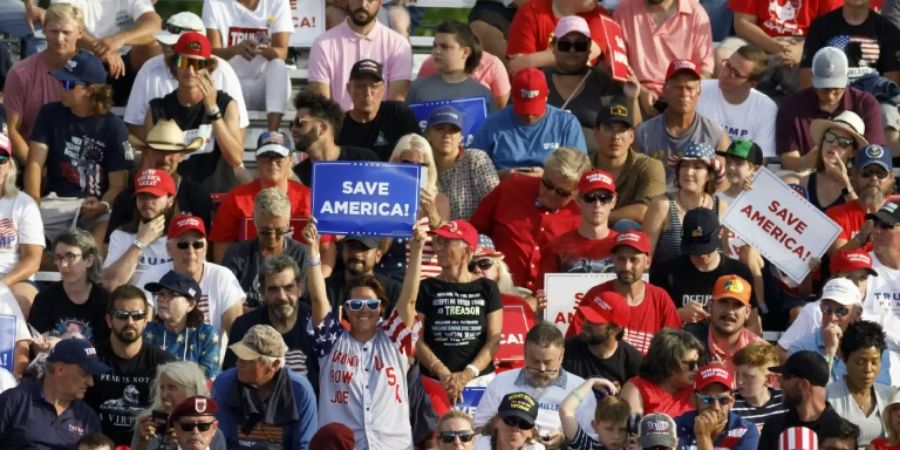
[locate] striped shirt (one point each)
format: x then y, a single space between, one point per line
759 414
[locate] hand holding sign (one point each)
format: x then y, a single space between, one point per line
311 235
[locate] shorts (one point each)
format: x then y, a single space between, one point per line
61 214
493 13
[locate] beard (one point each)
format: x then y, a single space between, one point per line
127 334
791 398
306 140
595 339
361 23
284 309
872 196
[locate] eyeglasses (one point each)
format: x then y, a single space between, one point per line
69 84
121 314
842 141
449 437
597 197
357 304
877 172
183 62
691 365
183 245
189 426
840 311
559 191
277 232
579 46
882 225
483 264
175 29
407 161
69 258
723 400
516 422
726 64
298 121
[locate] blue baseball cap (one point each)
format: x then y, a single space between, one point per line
84 68
445 114
176 282
874 154
80 352
272 142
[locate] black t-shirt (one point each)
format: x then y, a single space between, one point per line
81 151
456 318
122 394
191 198
348 153
194 121
393 121
768 437
54 312
684 283
243 260
622 365
869 46
599 90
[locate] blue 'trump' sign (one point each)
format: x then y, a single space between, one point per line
365 198
473 110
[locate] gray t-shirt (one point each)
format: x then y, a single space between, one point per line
435 88
653 140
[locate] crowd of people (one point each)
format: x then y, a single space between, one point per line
199 308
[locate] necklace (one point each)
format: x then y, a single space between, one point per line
684 205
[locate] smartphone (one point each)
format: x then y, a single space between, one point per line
161 421
634 424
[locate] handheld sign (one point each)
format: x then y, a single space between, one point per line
785 228
473 110
7 341
564 292
365 198
309 21
617 53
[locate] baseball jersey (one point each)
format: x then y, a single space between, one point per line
363 384
235 23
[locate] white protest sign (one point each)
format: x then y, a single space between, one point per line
309 21
784 227
564 292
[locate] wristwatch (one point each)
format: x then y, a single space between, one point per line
139 245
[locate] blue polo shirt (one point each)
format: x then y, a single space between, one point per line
739 433
814 342
511 143
29 421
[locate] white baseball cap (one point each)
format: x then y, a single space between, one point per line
843 291
177 24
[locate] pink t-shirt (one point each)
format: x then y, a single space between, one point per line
28 87
490 72
652 46
333 54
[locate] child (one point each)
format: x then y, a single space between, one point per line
891 418
610 418
756 398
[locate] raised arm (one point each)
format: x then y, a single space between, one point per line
570 404
315 281
406 305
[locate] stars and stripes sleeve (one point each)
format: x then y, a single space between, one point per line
402 336
325 335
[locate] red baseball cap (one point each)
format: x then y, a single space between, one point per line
529 92
680 65
458 229
846 261
713 373
635 239
596 180
605 307
182 224
194 45
154 181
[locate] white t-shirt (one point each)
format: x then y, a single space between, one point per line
103 18
882 305
20 223
9 309
7 380
154 255
754 119
236 23
809 320
219 291
154 80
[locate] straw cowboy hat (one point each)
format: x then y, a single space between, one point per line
847 121
166 136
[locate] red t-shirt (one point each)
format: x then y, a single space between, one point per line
533 26
883 444
850 217
238 205
658 400
784 17
573 252
518 227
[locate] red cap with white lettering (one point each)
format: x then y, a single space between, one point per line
458 229
155 182
715 372
529 92
846 261
682 65
605 307
182 224
635 239
596 180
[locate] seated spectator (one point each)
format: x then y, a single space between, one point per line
272 219
490 21
333 436
531 31
712 423
513 426
196 422
756 399
858 396
680 125
179 328
372 122
95 441
264 402
733 101
886 263
491 71
74 306
664 381
359 255
839 140
610 418
334 53
16 330
465 177
174 383
221 296
828 97
255 44
891 427
488 263
85 144
524 212
872 182
456 54
454 430
521 136
639 178
202 111
657 432
140 244
840 435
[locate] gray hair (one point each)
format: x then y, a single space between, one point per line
9 189
568 162
271 202
273 265
269 360
186 374
84 240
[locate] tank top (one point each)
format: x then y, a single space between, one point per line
813 195
655 399
669 245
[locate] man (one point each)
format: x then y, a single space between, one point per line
120 395
520 136
840 435
262 401
657 432
542 378
315 130
872 178
828 97
586 248
599 351
357 38
803 377
360 254
50 412
882 290
734 102
712 424
194 422
680 124
639 178
372 122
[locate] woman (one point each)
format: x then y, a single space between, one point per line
534 24
488 263
856 396
839 139
454 431
465 176
666 376
21 233
200 110
392 342
179 328
459 342
891 418
174 382
456 54
76 305
513 428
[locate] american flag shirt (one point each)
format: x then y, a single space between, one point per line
872 47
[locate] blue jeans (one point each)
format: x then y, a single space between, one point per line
12 22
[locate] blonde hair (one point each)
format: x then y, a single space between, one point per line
612 409
271 202
568 162
454 414
757 354
60 11
9 189
419 144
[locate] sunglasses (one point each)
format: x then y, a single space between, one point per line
692 365
483 264
840 311
175 29
723 400
121 314
516 422
449 437
877 172
559 191
69 84
882 225
407 161
845 142
196 244
357 304
578 46
189 426
277 232
182 62
604 199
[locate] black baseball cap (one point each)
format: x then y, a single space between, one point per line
519 404
889 213
699 232
176 282
616 111
744 149
366 67
809 365
367 242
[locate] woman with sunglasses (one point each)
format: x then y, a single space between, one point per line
533 25
454 431
513 428
838 140
362 381
201 110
